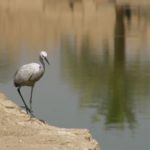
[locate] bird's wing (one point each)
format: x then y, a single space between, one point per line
28 72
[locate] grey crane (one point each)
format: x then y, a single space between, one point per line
28 75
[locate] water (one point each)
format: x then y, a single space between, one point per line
99 77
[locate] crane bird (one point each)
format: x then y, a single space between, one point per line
28 74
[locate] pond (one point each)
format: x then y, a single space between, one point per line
99 72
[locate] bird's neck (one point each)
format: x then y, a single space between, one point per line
42 62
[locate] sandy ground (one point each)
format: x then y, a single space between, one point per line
20 132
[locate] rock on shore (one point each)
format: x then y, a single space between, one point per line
20 132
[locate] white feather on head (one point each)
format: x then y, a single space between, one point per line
43 54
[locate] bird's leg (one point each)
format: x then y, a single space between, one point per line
31 98
27 108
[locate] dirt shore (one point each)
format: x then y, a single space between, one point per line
20 132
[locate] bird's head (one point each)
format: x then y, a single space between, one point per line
43 55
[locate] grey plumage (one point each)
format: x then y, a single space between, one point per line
28 75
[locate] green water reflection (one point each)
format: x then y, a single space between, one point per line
107 84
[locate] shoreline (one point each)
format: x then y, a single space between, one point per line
18 130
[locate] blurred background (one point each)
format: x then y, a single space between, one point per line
99 77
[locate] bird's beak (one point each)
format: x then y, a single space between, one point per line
47 60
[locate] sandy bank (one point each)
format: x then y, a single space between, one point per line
19 131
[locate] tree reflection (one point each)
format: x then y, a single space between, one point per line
120 106
105 84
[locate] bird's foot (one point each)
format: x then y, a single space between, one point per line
42 121
28 110
33 116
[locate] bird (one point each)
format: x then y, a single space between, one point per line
28 75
